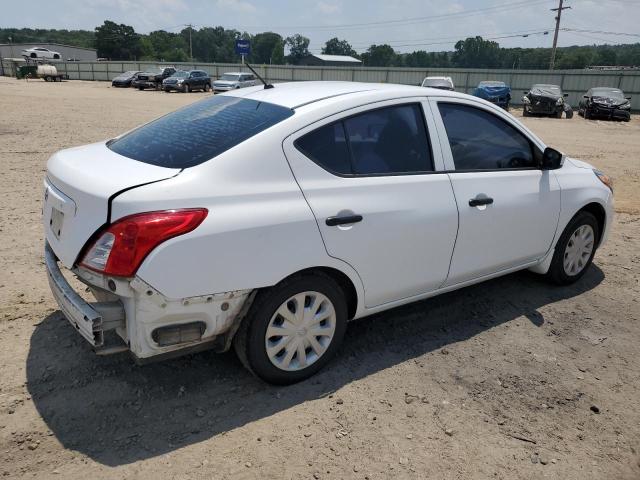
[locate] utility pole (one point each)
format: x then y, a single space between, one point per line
555 35
190 43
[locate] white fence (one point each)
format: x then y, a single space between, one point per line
573 82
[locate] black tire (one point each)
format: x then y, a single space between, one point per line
556 271
56 57
185 88
140 88
33 55
586 115
568 114
249 341
558 114
207 87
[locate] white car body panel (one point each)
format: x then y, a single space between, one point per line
267 206
87 177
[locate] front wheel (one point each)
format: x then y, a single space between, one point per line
575 249
293 329
207 87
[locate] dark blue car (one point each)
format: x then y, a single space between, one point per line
495 92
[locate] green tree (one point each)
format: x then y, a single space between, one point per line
336 46
475 52
117 42
169 47
380 56
298 48
264 46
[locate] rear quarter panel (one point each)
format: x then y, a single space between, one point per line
259 229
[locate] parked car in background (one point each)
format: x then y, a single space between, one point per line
152 78
605 102
41 52
233 80
443 83
495 92
125 79
186 81
267 221
543 99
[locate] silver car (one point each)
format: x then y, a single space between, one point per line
233 80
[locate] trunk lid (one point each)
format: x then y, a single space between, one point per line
79 185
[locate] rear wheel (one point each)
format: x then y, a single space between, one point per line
568 113
293 329
575 249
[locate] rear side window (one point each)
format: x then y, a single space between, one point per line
390 140
327 146
480 140
199 132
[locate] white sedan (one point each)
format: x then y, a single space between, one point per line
41 52
268 218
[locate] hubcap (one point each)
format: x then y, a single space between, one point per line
578 250
300 331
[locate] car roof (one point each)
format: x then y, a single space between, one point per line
545 85
237 73
298 94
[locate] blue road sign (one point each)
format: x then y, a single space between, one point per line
243 47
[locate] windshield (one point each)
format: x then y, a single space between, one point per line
128 74
492 84
199 132
546 89
608 92
232 78
180 74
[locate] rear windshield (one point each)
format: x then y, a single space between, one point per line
199 132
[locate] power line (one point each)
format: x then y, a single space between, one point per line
600 32
402 21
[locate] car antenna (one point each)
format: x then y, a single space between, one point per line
266 85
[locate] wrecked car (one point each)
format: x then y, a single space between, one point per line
543 99
494 92
605 102
443 83
264 219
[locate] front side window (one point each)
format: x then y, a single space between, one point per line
390 140
199 132
480 140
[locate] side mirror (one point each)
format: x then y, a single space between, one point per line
551 159
566 94
585 96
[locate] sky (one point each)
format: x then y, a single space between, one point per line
407 25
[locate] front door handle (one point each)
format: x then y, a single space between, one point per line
474 202
334 221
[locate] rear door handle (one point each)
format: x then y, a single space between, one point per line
347 219
474 202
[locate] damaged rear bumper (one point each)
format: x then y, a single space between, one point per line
91 320
148 323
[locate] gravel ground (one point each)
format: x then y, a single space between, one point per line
513 378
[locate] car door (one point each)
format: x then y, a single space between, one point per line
375 182
508 206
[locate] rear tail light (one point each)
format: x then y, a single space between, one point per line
122 246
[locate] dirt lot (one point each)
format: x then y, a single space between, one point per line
493 381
